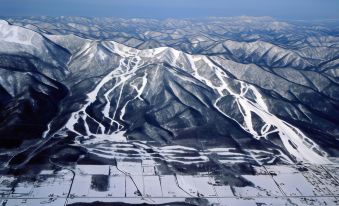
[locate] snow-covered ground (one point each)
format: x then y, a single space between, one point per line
129 183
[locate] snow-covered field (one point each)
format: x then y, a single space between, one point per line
129 183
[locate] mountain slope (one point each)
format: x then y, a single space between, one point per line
256 104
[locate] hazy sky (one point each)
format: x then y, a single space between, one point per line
282 9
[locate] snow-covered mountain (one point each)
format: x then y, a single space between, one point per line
184 101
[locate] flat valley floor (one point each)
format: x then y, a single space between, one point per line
133 183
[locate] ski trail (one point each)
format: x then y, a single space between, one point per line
129 64
294 141
248 100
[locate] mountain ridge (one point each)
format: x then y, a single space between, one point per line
167 97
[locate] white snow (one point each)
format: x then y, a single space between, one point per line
287 132
15 34
293 139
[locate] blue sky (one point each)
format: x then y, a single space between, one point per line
281 9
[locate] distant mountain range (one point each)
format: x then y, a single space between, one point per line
184 93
